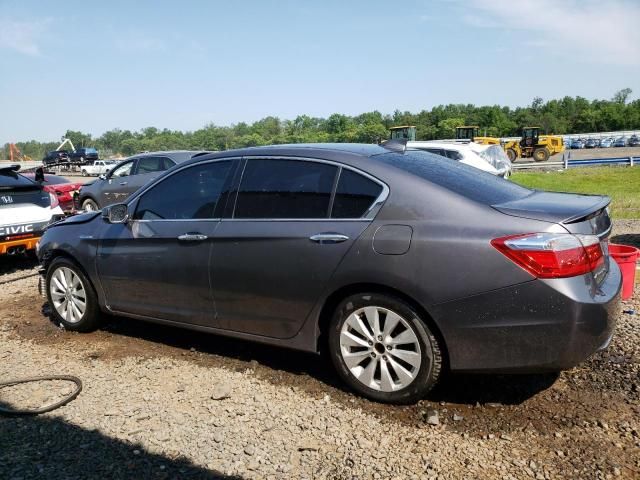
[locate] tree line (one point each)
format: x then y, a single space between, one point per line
563 116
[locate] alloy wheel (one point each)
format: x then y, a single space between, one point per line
380 349
68 294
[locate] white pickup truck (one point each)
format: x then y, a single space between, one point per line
99 167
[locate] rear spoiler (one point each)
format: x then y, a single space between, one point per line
12 167
555 207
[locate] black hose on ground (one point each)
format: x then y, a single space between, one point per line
47 408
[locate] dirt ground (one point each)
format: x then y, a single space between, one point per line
152 407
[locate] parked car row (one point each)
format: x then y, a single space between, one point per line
397 262
607 142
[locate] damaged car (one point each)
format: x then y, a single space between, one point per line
398 264
26 208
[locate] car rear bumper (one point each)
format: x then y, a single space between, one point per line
11 247
542 325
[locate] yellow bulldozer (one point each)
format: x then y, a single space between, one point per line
472 134
533 145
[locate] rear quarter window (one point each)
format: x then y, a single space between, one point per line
470 182
354 195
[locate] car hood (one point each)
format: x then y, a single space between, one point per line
74 220
554 207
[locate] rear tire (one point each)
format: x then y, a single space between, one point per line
84 173
541 154
383 350
89 205
71 296
511 153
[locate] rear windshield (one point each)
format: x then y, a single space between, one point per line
18 190
462 179
10 180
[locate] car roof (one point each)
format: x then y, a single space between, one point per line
452 145
176 155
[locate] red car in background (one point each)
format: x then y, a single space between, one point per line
60 187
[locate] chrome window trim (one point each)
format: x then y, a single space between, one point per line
138 194
367 216
136 198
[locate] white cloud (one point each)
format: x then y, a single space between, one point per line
22 36
593 30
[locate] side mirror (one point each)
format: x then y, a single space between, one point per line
118 213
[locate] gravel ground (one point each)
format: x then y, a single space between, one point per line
160 402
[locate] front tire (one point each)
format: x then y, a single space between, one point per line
89 205
511 153
73 301
383 350
541 154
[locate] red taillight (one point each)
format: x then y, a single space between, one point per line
54 200
552 255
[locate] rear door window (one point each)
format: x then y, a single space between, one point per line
355 194
197 192
285 189
151 165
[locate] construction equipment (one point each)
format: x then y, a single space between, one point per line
533 145
15 155
64 142
472 134
404 132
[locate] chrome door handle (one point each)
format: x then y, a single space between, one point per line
328 238
123 183
192 237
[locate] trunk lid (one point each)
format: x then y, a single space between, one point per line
577 213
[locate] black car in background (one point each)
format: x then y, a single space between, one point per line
56 156
396 263
634 141
127 177
84 155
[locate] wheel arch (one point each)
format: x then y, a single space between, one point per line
87 196
334 299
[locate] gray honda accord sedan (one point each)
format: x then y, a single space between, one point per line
398 263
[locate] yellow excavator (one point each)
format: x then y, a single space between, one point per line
472 134
533 145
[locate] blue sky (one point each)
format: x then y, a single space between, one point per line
94 66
